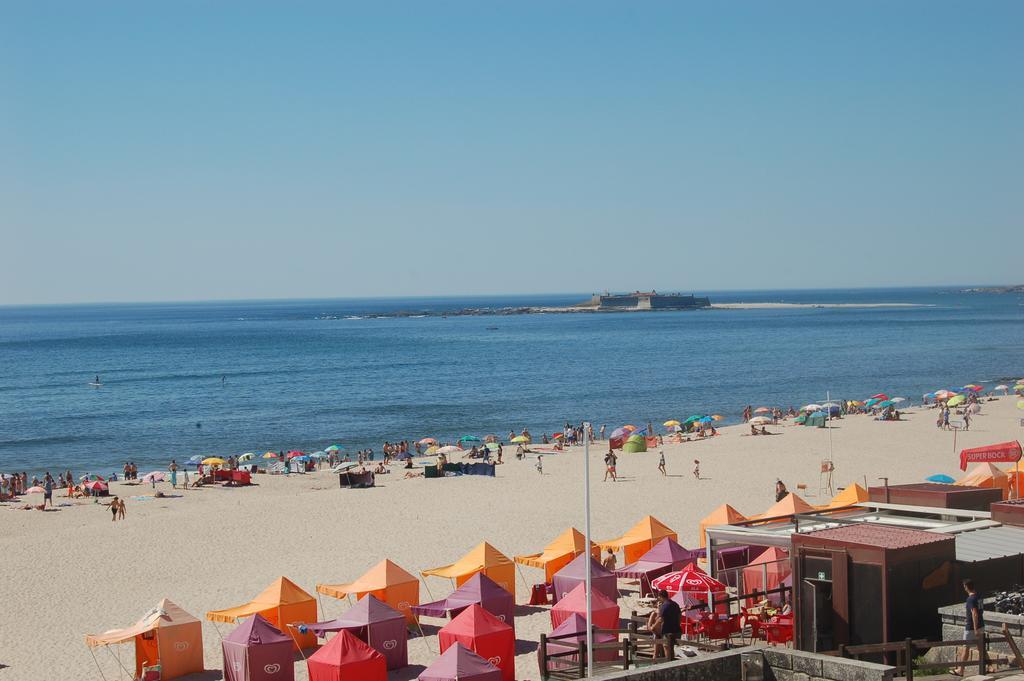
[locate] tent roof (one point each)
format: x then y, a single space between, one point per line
475 621
165 614
257 631
578 568
477 589
570 542
576 600
724 515
668 550
981 473
459 662
791 504
648 529
282 591
770 555
380 576
854 494
480 557
369 610
344 649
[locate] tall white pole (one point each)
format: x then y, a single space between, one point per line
828 401
586 544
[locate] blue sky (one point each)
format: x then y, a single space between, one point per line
197 150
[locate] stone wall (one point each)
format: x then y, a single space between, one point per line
759 664
954 617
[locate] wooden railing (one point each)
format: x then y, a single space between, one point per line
905 652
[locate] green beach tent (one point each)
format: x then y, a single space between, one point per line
635 443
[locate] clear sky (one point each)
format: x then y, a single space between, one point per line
207 150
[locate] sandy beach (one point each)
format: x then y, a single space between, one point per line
72 571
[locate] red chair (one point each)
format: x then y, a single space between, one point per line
715 628
779 630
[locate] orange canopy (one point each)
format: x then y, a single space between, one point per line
854 494
791 504
387 582
639 539
482 558
166 635
558 553
987 475
281 603
723 515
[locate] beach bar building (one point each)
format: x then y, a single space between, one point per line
937 495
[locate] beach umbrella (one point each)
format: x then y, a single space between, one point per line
428 441
270 455
490 438
449 449
811 407
195 459
96 485
898 400
759 421
302 458
762 410
213 461
333 448
689 579
955 400
431 450
706 419
35 490
342 467
91 476
670 423
857 403
493 446
519 439
246 457
629 427
155 476
944 479
470 438
558 436
880 396
294 453
1002 387
694 417
717 417
884 403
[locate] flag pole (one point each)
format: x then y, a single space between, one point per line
586 549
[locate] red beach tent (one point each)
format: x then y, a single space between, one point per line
575 573
606 611
375 623
459 663
257 651
346 658
575 627
485 635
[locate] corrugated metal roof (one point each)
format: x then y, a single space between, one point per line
992 542
880 536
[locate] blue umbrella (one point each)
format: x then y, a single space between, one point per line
945 479
469 438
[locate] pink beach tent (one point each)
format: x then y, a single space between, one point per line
480 590
575 573
606 611
346 658
257 651
485 635
375 623
459 663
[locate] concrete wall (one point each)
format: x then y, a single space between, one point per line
954 617
766 663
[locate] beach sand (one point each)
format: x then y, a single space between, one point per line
71 572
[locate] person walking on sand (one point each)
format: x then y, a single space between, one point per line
540 464
48 490
174 474
967 419
120 509
609 561
974 624
603 429
696 469
780 491
661 463
609 465
114 506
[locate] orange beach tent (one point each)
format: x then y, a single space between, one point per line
166 635
281 603
385 581
791 504
723 515
640 538
988 476
482 558
558 553
854 494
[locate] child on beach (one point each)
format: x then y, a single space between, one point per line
540 464
696 468
661 463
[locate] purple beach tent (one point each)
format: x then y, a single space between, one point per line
459 663
375 623
479 589
575 573
257 651
664 557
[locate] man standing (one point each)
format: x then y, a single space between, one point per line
975 622
666 622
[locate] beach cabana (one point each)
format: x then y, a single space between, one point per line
606 611
640 538
257 651
485 635
376 624
634 445
767 571
723 515
854 494
346 658
281 603
387 582
574 628
479 590
988 476
166 636
459 663
791 504
601 579
558 553
482 558
665 556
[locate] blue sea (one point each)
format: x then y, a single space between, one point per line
231 377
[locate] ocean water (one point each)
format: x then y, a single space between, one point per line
306 374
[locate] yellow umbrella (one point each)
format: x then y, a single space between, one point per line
955 400
431 450
270 455
520 438
213 461
717 417
856 403
669 424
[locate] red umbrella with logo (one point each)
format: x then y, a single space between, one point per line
690 579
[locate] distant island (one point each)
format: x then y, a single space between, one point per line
644 300
1019 288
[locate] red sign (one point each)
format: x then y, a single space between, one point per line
1005 452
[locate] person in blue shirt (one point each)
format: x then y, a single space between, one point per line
974 608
